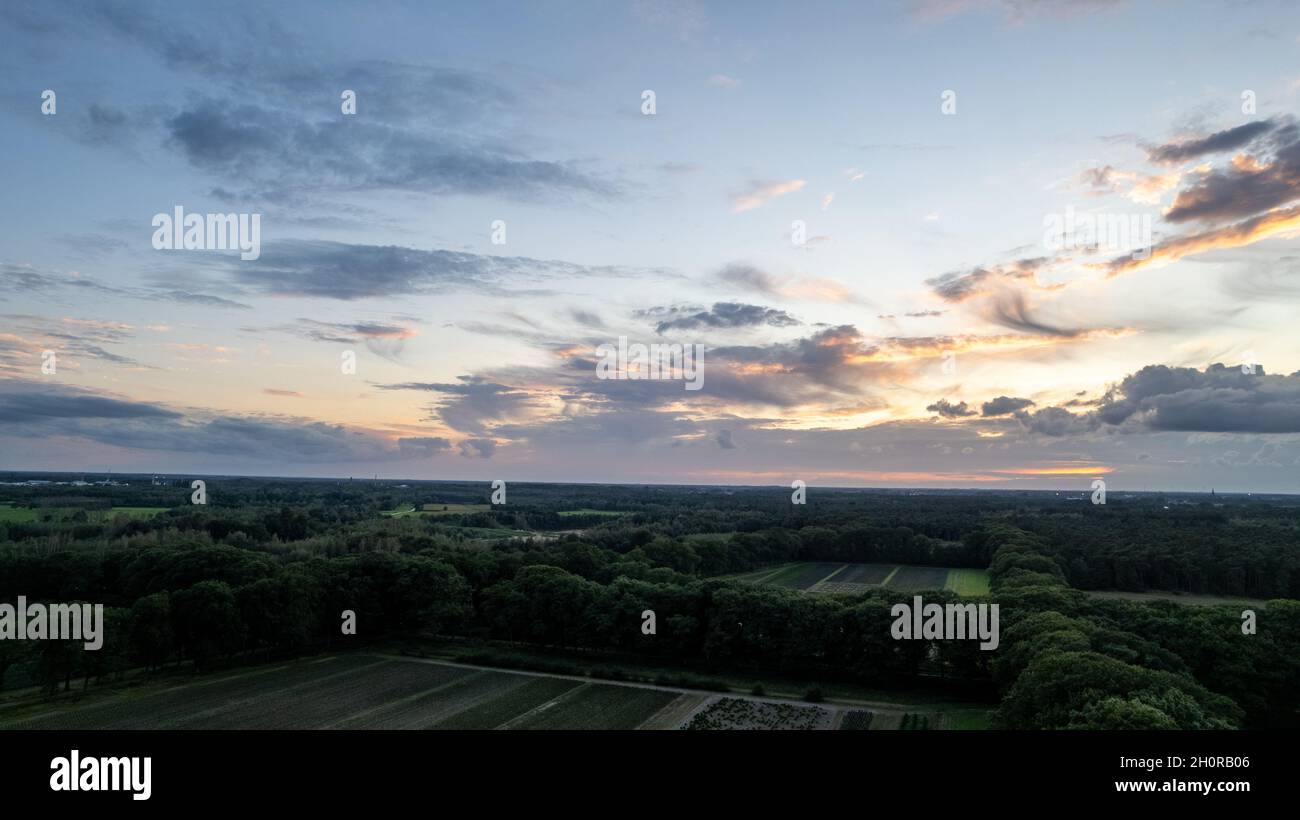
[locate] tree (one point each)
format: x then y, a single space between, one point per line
207 622
151 637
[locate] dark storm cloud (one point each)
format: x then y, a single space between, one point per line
37 411
1227 140
1268 179
726 315
1221 398
1057 421
34 406
1157 398
949 410
1003 406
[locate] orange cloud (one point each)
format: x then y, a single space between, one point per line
1085 470
1278 222
760 193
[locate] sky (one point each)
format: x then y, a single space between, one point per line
949 243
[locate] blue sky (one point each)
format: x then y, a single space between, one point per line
923 334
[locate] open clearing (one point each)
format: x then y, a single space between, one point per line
376 691
437 509
834 577
12 514
1177 597
608 513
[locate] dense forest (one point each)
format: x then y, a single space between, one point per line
265 568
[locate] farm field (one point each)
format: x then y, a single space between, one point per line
822 576
802 576
374 691
735 713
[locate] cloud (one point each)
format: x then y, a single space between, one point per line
723 81
949 410
961 285
1183 150
32 406
587 318
28 278
1281 222
423 445
336 270
759 192
1219 399
1147 189
1014 12
274 152
473 403
69 338
724 315
252 131
49 413
1009 308
1158 398
1057 421
204 299
1003 406
685 18
478 448
810 289
1251 184
724 440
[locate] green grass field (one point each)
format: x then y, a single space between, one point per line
834 577
610 513
18 515
12 514
1191 598
434 510
455 509
968 581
